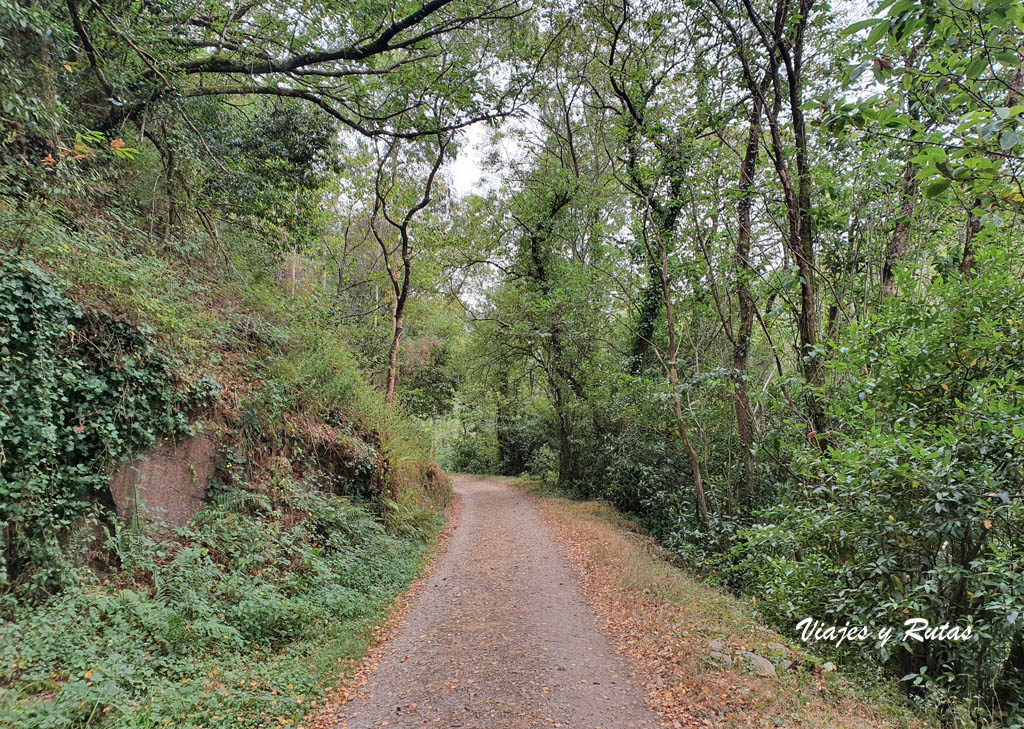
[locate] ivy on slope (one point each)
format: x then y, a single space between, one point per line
79 391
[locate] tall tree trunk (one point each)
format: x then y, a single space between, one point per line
897 248
396 338
561 380
971 230
401 281
401 292
567 471
814 370
801 248
787 54
672 372
691 453
741 342
647 321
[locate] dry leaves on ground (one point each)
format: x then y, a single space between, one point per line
687 638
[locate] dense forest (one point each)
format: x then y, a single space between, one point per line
751 271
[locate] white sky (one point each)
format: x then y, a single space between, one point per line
466 172
485 155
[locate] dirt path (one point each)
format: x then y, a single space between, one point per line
499 638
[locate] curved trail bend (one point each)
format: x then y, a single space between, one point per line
499 637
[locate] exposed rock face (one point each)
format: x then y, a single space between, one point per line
167 483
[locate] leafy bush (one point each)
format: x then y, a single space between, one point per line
916 507
280 150
246 615
520 434
544 466
473 452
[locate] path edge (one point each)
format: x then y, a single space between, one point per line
325 715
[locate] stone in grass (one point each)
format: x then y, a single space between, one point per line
722 657
759 664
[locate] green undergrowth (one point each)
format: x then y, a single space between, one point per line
714 612
224 311
216 318
323 508
242 619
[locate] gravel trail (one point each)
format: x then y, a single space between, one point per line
499 637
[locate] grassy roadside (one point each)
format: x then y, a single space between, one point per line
360 669
690 638
248 618
323 510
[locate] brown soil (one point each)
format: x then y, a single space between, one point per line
499 637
